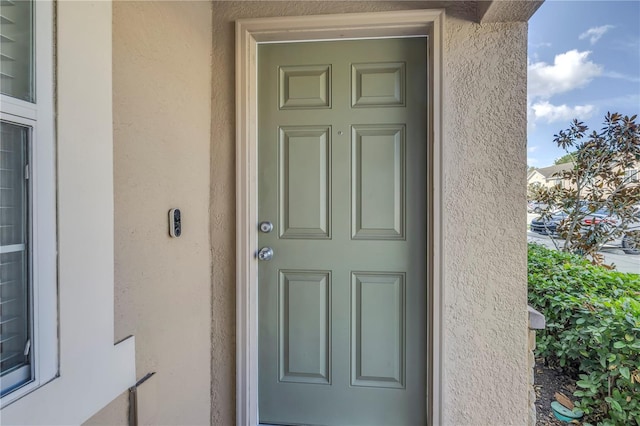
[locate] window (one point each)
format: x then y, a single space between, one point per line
631 175
28 355
16 31
14 259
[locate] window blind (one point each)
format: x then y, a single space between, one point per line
16 49
14 256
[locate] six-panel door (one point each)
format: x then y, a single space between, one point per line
342 304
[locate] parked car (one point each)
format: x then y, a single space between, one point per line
536 207
629 241
547 225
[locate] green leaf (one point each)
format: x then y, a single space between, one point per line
603 362
624 372
615 405
593 318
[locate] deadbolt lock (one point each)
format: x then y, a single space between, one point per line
266 226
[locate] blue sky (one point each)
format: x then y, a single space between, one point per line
583 61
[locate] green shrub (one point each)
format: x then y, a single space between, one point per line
593 328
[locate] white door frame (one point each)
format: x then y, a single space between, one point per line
250 32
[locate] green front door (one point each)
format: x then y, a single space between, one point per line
342 302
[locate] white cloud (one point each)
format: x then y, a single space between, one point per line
620 76
543 110
541 44
570 70
533 148
630 45
629 101
531 161
594 34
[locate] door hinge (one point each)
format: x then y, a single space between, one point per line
26 171
27 347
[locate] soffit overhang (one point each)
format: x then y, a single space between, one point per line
489 11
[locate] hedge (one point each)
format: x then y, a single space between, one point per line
593 329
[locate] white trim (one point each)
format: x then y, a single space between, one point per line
39 116
92 370
250 32
18 107
43 175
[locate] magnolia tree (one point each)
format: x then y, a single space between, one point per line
598 181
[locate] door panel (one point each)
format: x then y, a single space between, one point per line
305 87
341 171
304 326
377 330
305 182
380 84
377 192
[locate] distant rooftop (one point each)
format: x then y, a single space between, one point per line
548 172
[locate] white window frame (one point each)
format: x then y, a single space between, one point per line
39 118
632 175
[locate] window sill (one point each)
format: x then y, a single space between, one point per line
74 397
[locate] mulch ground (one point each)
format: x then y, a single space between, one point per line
548 381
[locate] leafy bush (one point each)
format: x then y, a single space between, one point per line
593 328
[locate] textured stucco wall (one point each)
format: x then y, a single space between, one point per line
485 282
162 140
506 10
485 329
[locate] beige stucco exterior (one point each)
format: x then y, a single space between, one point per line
485 260
174 146
161 289
162 145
